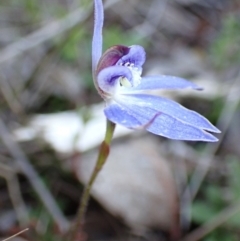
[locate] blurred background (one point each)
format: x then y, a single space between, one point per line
52 122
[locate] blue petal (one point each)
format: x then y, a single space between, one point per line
136 56
172 109
168 126
139 114
107 78
165 82
119 115
97 34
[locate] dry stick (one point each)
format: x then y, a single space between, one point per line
151 24
8 94
13 236
189 154
215 222
33 178
14 192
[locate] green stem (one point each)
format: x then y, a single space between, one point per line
102 157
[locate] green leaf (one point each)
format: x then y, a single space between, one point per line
202 212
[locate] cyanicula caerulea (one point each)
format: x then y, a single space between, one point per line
117 77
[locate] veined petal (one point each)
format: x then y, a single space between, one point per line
165 82
135 56
108 78
170 108
166 125
170 127
119 115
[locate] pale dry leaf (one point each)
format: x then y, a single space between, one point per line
66 131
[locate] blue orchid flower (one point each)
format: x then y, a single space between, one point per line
117 77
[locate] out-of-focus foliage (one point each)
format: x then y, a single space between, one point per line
215 197
114 35
75 46
225 49
210 205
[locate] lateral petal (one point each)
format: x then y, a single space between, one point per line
172 109
170 127
164 124
165 82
